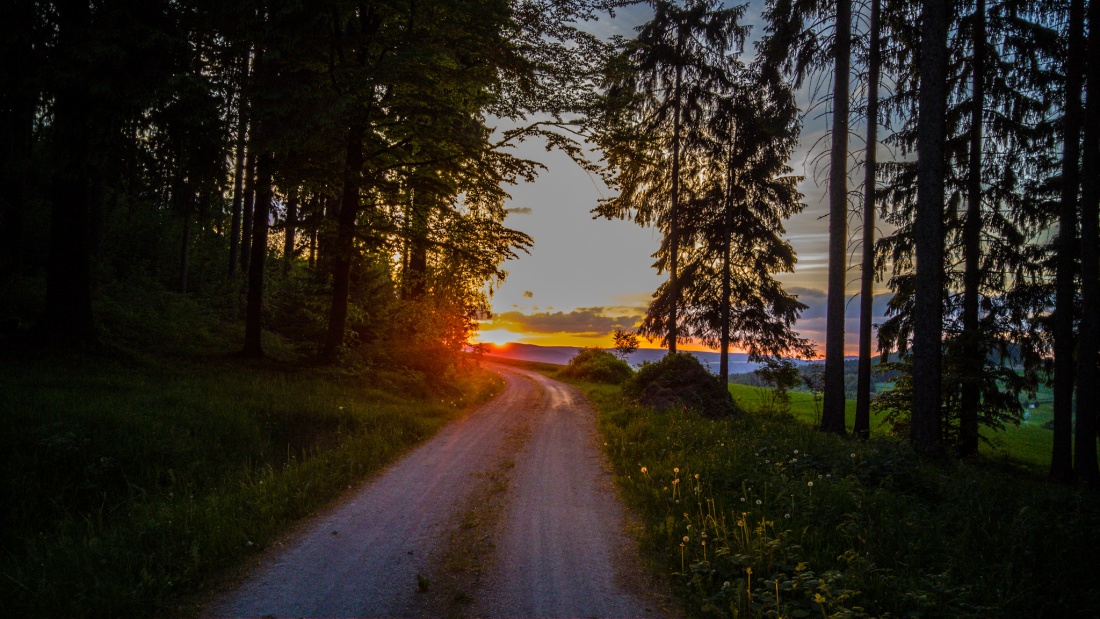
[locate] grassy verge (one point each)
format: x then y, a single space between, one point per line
131 480
765 516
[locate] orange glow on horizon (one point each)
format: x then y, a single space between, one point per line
501 337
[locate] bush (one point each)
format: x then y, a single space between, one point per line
599 366
679 380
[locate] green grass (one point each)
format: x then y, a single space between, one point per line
797 523
137 474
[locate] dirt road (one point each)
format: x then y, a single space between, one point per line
507 512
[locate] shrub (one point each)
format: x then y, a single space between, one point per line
599 366
679 380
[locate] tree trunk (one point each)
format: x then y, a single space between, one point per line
832 416
290 230
1084 456
416 275
238 175
727 232
249 206
253 317
926 431
862 427
185 242
1061 456
345 246
67 316
674 214
973 358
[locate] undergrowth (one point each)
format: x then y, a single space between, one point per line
764 516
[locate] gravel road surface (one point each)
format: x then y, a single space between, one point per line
556 539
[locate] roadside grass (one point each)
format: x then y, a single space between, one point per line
765 516
136 475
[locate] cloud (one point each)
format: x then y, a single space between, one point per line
527 294
518 210
583 322
811 324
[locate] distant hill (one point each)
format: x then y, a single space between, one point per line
739 362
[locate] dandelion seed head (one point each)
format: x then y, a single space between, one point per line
644 469
686 538
759 502
787 516
810 484
676 470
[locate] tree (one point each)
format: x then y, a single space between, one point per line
928 229
1061 459
731 296
801 49
658 85
1088 340
862 426
626 342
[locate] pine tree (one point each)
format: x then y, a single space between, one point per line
658 87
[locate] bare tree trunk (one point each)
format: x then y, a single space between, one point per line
724 362
238 176
674 215
253 319
248 206
927 428
345 246
290 229
1061 456
416 274
1084 456
832 416
973 358
185 241
862 427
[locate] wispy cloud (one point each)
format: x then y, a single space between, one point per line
582 322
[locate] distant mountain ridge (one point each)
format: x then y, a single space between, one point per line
560 355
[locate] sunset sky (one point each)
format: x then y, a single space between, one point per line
585 277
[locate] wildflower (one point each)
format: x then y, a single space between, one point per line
685 538
644 469
740 523
676 470
759 502
696 476
810 484
675 481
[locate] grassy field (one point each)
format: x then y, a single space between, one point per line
1027 445
136 474
763 516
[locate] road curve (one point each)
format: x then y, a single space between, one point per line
560 545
